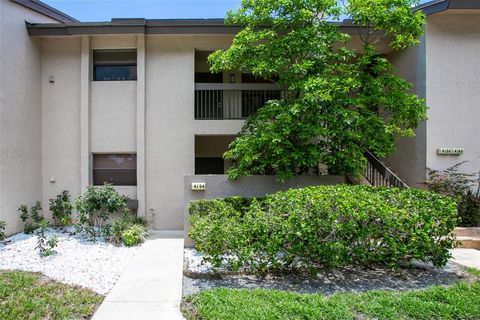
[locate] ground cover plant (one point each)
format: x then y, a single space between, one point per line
25 295
459 301
325 227
339 100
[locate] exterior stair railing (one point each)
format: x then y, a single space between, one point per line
379 175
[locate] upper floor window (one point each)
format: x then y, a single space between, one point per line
114 65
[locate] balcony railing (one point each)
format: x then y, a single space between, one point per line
218 101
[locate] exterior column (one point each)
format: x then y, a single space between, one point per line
85 114
141 196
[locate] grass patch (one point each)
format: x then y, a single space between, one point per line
26 295
473 271
459 301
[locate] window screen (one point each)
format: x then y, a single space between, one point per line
117 169
114 65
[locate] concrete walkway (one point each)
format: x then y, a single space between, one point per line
467 257
151 286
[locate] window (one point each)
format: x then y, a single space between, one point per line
117 169
114 65
209 166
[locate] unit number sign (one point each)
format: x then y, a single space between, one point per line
450 151
198 186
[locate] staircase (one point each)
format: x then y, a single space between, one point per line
379 175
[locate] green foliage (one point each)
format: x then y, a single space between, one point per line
325 226
24 215
134 235
26 295
473 271
340 101
35 212
32 218
3 225
61 208
95 207
46 246
29 227
459 301
128 230
457 184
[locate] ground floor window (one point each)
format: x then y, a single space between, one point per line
209 166
117 169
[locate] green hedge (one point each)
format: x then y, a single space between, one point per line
325 226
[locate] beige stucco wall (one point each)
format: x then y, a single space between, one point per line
453 88
61 117
409 159
170 124
20 113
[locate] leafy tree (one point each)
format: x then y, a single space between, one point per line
340 101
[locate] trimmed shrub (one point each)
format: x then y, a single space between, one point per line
325 226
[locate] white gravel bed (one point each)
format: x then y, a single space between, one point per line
77 261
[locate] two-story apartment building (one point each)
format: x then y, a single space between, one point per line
132 102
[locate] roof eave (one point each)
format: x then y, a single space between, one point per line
40 7
437 6
142 26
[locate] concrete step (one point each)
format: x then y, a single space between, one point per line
469 242
467 232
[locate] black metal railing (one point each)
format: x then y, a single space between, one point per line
379 175
232 101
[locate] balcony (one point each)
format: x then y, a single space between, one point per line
222 101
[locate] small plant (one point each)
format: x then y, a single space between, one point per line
128 230
95 207
459 185
3 225
45 245
134 235
31 218
61 208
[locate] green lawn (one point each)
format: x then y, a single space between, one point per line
459 301
26 295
